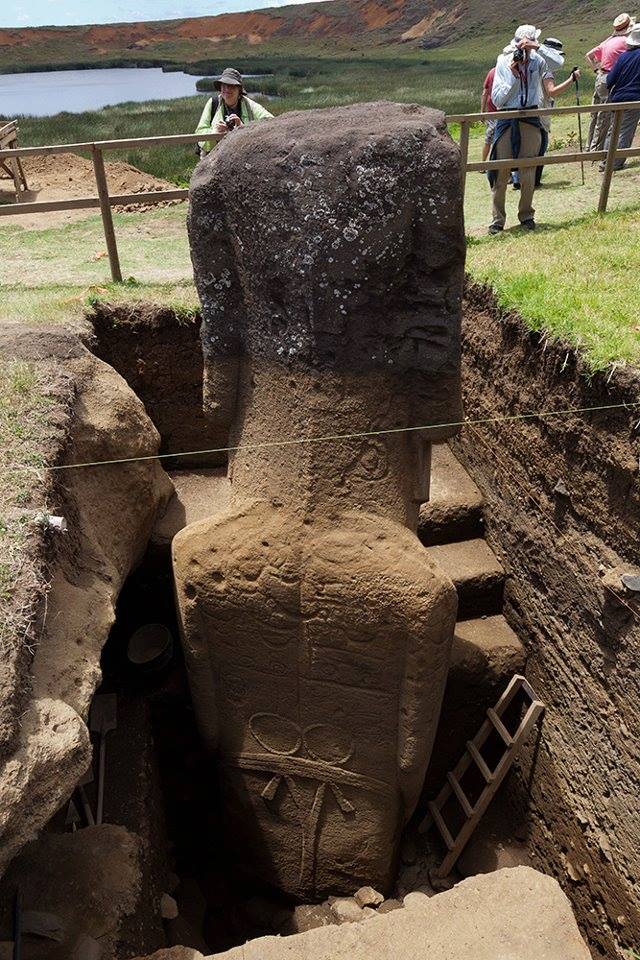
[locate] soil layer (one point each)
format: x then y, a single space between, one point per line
159 355
563 514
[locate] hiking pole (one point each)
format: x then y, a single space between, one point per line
575 80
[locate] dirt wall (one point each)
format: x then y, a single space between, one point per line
563 514
159 355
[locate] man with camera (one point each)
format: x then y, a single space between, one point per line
517 85
231 109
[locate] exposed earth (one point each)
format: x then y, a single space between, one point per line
341 23
67 175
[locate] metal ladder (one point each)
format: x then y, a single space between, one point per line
492 778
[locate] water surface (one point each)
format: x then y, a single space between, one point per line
44 94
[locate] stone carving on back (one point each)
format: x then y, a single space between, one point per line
328 249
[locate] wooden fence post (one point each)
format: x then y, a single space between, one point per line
611 156
105 209
464 151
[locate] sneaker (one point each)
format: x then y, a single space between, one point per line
495 228
528 224
516 186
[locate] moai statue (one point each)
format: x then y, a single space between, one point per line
328 249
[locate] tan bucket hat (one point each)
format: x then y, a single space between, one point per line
231 76
623 23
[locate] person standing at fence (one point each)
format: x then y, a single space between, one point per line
623 82
488 106
516 86
230 110
552 52
602 59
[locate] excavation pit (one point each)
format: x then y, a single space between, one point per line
564 813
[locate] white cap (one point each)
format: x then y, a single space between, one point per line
527 32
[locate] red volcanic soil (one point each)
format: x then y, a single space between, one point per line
362 21
353 22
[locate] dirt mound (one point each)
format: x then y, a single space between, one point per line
67 175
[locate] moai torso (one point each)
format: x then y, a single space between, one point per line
328 252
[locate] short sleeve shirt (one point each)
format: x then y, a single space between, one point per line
607 52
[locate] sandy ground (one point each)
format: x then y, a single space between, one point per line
66 175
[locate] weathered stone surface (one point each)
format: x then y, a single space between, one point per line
484 854
316 631
175 953
90 880
198 494
454 510
346 910
110 512
484 657
476 572
514 914
368 897
310 916
389 906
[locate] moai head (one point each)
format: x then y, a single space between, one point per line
328 251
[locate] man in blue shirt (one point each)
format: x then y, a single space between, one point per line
516 86
624 81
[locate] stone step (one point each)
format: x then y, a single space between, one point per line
485 655
476 573
454 511
198 494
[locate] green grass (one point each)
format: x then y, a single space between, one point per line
22 407
575 281
448 78
571 277
153 248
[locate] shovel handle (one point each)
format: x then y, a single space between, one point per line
101 762
86 806
17 926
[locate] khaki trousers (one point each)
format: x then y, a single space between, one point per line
600 122
530 141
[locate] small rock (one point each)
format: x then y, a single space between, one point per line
168 907
631 581
311 916
389 905
415 900
346 910
368 897
369 912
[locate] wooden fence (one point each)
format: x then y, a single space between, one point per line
105 201
12 167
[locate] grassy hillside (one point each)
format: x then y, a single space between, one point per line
536 274
449 79
337 27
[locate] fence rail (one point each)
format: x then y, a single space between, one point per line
105 201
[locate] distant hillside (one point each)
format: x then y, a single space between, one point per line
333 25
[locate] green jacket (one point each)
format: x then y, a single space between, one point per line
249 111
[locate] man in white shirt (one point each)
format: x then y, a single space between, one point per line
516 86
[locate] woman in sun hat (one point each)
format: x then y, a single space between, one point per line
602 59
623 82
231 109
